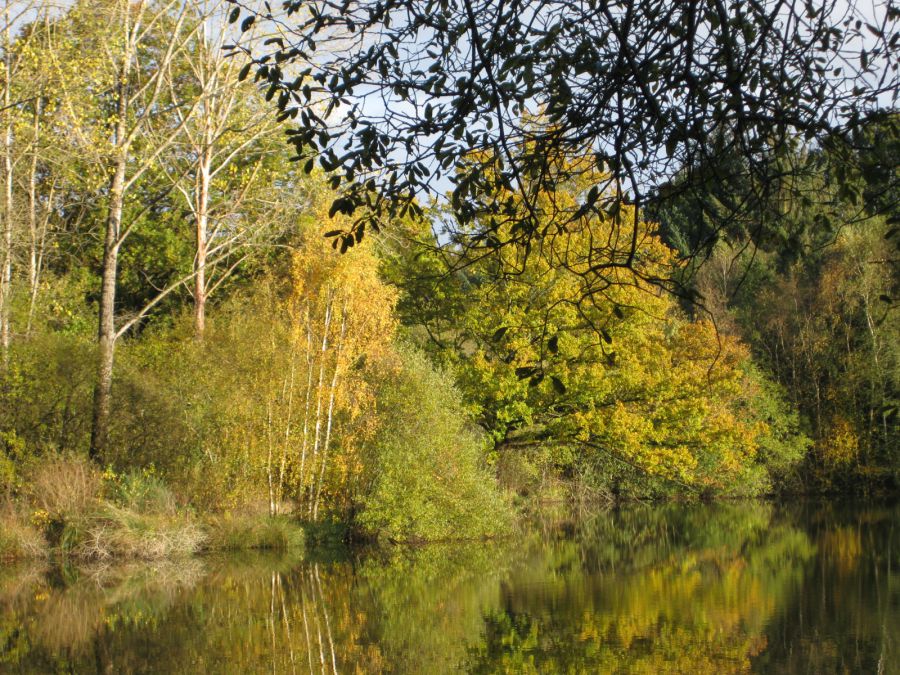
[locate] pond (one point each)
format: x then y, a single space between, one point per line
723 588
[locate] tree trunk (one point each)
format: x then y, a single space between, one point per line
282 469
6 262
203 181
330 414
106 334
34 238
309 382
318 428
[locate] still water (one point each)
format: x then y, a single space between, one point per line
728 588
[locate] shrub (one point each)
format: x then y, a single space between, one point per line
145 492
425 466
46 393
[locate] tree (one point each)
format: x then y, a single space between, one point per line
221 166
14 14
393 98
120 122
620 388
815 297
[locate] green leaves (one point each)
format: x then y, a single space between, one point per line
466 125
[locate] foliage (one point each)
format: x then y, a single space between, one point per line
424 477
46 396
820 315
632 396
643 88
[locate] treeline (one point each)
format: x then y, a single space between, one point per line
810 283
170 310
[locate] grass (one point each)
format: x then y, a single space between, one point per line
112 532
71 511
231 533
117 532
18 537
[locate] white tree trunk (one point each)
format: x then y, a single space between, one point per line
318 428
330 416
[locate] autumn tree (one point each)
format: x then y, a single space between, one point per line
620 384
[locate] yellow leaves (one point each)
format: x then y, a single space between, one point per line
840 446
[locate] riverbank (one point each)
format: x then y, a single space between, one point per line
69 509
111 532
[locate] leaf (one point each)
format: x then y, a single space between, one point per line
233 16
247 23
606 336
525 371
245 71
536 380
499 333
558 386
618 312
333 233
885 298
553 344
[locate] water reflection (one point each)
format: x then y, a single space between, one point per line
725 588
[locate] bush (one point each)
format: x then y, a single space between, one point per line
46 393
145 492
425 466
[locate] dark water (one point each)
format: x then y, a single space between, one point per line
749 587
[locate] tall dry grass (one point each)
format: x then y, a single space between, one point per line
115 532
65 486
18 537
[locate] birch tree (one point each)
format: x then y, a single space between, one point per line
13 15
221 162
141 46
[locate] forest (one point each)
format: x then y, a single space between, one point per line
205 346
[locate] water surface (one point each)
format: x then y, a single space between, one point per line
728 588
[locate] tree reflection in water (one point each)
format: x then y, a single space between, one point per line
709 588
